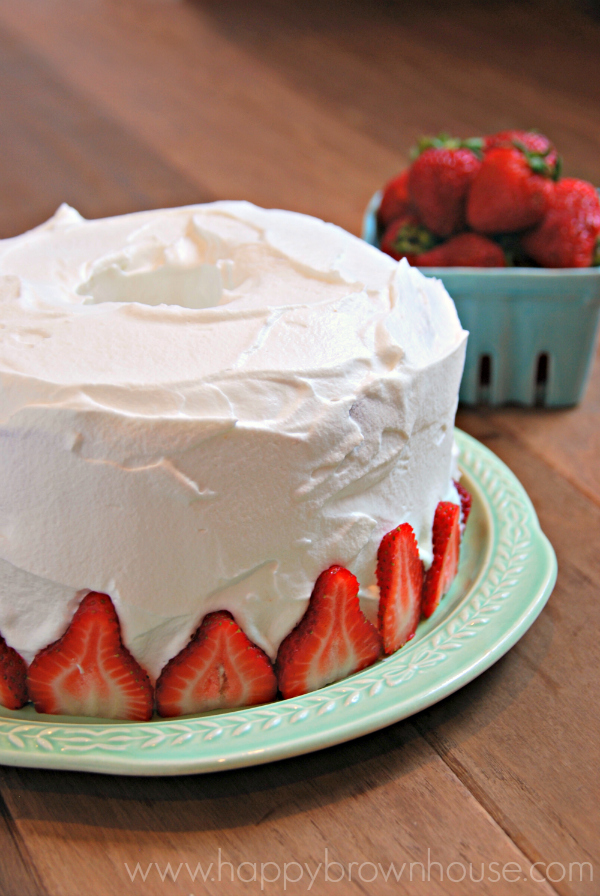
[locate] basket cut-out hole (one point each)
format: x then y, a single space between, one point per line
542 369
485 370
485 378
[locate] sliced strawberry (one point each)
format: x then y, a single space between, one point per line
13 677
332 640
400 580
465 504
220 668
446 544
89 671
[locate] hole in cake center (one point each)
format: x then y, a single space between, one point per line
195 286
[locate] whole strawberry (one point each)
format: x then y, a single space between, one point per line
510 191
531 141
439 181
394 200
569 235
469 250
406 238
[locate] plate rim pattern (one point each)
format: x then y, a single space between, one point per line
515 580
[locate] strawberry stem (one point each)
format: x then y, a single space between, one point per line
445 141
538 161
413 239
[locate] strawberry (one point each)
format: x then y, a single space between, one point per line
446 543
13 677
332 640
439 182
89 671
400 580
511 191
568 237
407 238
465 504
530 141
220 668
394 200
470 250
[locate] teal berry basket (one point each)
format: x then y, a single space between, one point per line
532 331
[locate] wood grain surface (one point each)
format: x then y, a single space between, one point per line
130 104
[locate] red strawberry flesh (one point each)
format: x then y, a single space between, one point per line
13 677
400 580
89 671
220 668
332 640
446 545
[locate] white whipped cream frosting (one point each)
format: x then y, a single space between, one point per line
203 408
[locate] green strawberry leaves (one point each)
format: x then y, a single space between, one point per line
445 141
538 162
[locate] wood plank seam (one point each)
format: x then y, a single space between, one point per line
486 803
24 857
94 156
574 483
510 433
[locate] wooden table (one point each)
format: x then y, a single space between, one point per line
118 106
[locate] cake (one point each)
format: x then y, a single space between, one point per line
203 409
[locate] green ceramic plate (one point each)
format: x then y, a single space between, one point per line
507 572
